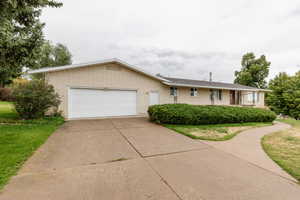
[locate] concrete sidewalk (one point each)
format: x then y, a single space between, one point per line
247 146
132 159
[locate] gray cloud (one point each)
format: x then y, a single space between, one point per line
295 12
189 40
179 63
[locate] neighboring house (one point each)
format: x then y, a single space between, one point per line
115 88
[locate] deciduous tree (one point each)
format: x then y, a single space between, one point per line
285 96
21 35
276 99
52 55
254 71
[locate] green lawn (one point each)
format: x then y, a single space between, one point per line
214 132
19 139
7 112
284 148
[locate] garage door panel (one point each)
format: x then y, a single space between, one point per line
101 103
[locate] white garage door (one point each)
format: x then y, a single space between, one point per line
84 103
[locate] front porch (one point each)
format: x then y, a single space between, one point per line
246 98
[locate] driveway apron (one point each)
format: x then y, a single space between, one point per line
130 159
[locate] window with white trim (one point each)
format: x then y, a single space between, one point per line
250 96
216 95
219 94
253 97
173 91
194 92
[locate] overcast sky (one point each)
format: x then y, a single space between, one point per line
180 38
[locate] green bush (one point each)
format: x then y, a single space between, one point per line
34 98
196 114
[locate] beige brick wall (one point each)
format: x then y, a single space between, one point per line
110 76
115 76
203 97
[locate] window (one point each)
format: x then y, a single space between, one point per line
220 94
193 92
250 97
253 97
173 91
216 94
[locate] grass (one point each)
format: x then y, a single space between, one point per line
7 112
214 132
19 139
291 121
284 148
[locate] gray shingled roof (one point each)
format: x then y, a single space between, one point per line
207 84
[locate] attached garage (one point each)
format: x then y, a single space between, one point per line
90 103
107 88
112 87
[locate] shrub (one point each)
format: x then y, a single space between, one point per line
34 99
5 94
196 114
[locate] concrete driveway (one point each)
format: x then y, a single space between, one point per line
133 159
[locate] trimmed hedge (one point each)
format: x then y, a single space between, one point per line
199 114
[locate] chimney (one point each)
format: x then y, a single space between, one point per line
210 76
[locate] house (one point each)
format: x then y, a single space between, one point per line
115 88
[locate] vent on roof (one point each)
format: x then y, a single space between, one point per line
159 75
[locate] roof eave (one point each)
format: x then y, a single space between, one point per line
65 67
212 87
107 61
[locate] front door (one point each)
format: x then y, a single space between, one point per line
232 97
153 98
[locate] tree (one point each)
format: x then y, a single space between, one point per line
51 56
254 71
21 35
276 99
285 96
62 55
